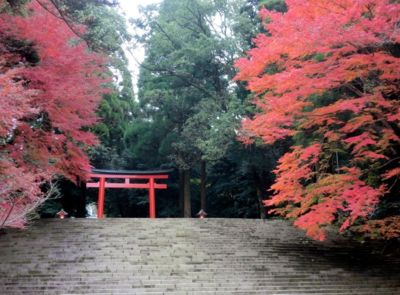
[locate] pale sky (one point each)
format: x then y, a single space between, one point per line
130 9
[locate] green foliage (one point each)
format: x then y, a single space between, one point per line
50 208
185 76
277 5
13 6
235 179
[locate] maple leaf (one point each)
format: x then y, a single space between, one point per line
50 88
338 86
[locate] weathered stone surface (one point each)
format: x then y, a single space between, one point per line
185 256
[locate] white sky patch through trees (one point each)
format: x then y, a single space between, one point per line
134 52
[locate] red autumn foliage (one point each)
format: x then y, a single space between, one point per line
387 227
336 87
50 86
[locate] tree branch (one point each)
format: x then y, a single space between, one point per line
64 18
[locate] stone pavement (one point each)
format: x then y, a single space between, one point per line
185 256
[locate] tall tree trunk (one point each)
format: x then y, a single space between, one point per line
122 208
181 192
261 189
81 206
203 179
261 206
187 211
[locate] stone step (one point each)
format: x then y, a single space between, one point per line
186 256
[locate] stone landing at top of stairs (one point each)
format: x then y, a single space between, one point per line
185 256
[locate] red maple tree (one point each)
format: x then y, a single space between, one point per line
50 86
334 89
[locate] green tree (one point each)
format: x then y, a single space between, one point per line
184 81
185 90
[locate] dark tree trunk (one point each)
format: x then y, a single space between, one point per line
81 206
261 206
187 208
181 192
261 189
203 179
122 208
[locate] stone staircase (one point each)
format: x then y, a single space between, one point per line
186 256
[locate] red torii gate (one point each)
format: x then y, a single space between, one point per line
127 176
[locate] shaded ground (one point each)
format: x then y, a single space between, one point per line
185 256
